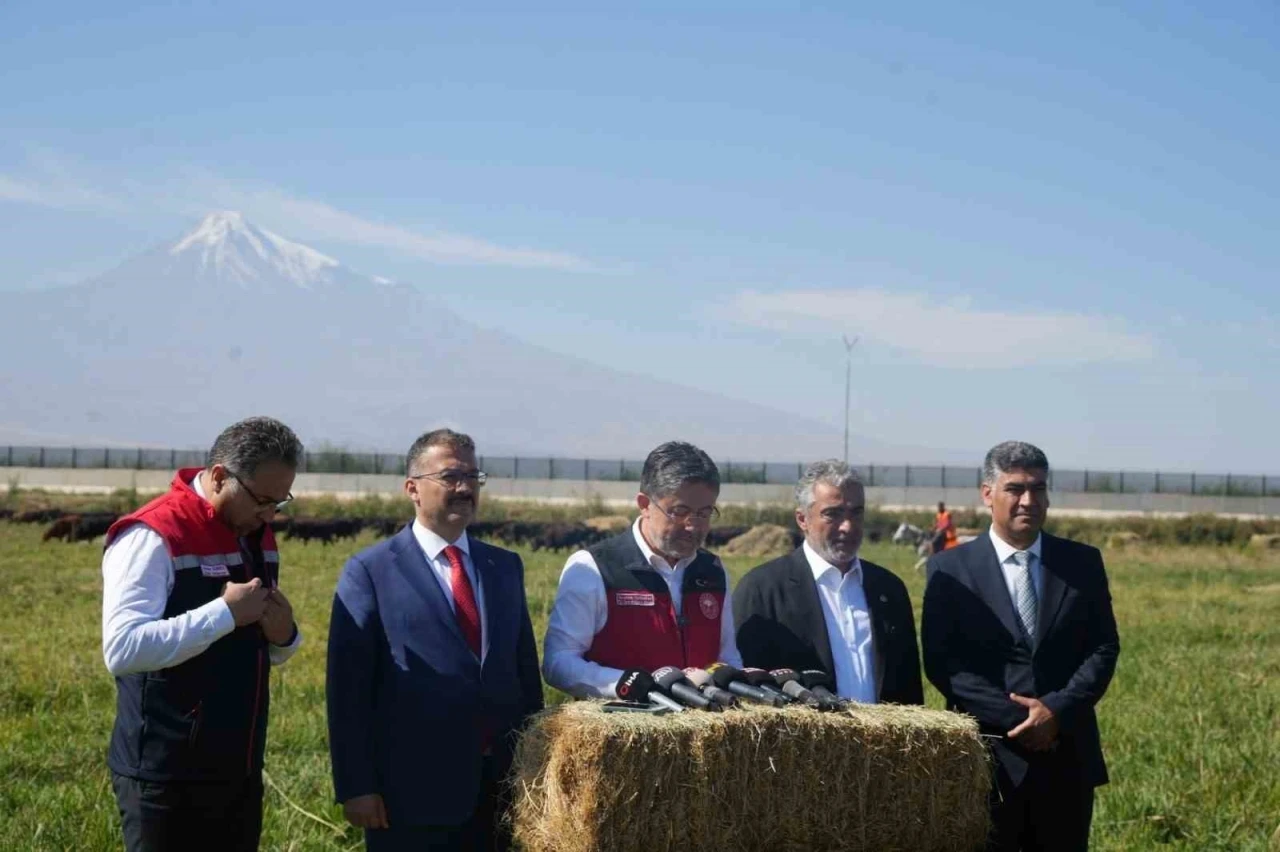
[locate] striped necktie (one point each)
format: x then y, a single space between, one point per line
1024 593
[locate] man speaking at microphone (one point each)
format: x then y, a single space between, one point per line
650 596
821 607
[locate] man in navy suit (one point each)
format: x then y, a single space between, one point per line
1018 632
432 668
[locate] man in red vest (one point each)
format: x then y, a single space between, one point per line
650 596
192 621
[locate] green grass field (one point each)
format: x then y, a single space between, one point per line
1191 725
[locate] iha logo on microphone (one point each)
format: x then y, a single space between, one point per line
624 689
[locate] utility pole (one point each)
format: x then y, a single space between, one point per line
848 378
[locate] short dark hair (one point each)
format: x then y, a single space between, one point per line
674 464
435 438
243 447
1012 455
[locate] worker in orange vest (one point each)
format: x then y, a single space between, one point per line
944 530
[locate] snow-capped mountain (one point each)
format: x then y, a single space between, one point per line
232 320
228 247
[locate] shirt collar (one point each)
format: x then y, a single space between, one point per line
198 488
652 558
433 544
820 566
1004 550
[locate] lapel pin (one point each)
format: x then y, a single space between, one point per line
883 599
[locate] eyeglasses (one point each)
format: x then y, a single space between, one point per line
263 502
683 514
454 478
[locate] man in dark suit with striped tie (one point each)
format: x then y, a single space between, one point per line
432 668
1018 632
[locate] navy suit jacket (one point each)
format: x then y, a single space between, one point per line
407 700
781 625
976 654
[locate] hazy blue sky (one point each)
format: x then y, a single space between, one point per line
1058 226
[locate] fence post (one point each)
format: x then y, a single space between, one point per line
9 463
764 471
586 470
1122 482
1193 482
1227 492
1086 480
906 476
74 452
1264 485
1157 482
944 476
799 470
106 457
515 467
622 468
41 457
551 467
138 464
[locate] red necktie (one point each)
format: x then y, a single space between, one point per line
464 600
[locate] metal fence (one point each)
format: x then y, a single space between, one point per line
625 470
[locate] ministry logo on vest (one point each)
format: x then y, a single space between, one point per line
709 605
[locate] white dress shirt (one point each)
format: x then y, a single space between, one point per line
433 548
581 609
137 579
1009 566
848 618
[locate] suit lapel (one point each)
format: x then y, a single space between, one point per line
808 608
1053 587
487 571
412 562
882 629
989 578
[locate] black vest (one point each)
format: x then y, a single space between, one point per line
204 719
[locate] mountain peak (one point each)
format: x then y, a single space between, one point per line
227 245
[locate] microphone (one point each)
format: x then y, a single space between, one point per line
761 679
728 678
789 680
701 678
821 684
637 685
671 681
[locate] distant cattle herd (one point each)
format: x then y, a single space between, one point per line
536 535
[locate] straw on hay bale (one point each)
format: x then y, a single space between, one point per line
876 777
761 540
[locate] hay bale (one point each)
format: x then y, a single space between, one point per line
876 777
608 523
1123 538
761 540
1264 541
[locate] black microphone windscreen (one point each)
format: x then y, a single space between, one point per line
782 676
758 677
817 677
668 676
634 685
724 675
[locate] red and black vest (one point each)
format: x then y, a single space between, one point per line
204 719
643 630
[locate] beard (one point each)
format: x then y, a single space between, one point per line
837 553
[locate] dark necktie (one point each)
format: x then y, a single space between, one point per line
464 600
